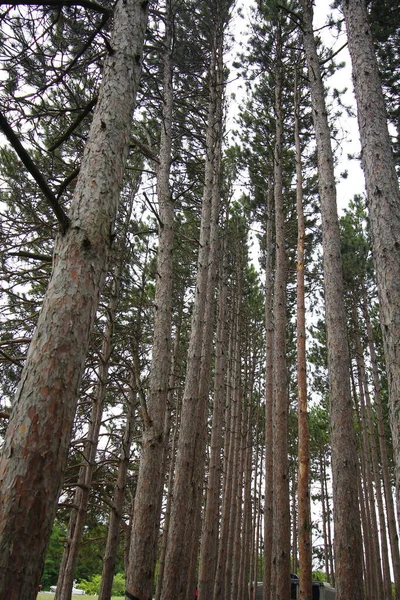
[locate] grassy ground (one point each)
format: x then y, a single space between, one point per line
80 597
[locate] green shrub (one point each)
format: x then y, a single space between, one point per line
92 586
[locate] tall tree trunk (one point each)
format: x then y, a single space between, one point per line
380 564
281 536
209 540
185 484
392 526
348 543
269 334
149 491
84 485
219 584
38 435
115 520
305 547
383 200
208 325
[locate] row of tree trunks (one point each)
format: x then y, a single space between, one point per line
77 520
39 431
348 541
189 472
209 539
383 199
389 504
150 485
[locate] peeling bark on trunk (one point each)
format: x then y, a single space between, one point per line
383 200
39 431
348 542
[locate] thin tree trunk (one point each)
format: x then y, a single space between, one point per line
185 485
348 542
305 547
115 520
269 329
219 585
38 435
383 200
84 485
234 447
392 526
281 547
209 541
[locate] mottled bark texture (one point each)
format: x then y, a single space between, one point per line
39 431
348 543
383 200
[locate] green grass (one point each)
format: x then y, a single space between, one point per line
80 597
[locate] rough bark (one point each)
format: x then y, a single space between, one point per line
39 431
348 543
304 505
115 520
219 584
76 524
383 195
209 540
281 536
391 518
183 507
268 510
149 491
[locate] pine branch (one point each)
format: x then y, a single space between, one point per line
73 125
60 4
34 171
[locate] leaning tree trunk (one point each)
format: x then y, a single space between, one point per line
39 431
348 543
149 491
383 200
